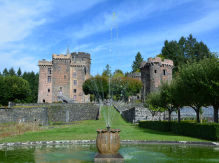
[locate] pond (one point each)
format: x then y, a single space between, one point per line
132 153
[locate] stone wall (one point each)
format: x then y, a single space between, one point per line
135 112
55 112
73 112
35 114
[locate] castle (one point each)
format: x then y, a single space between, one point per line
153 72
62 78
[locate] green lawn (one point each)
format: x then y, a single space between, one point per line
86 130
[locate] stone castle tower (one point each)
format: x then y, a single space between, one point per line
63 77
153 72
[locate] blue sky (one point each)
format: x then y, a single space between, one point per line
34 30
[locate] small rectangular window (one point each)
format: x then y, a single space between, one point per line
64 76
74 75
49 71
48 90
49 79
164 72
75 82
155 71
74 91
60 88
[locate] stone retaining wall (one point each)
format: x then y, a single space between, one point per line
135 112
55 112
36 114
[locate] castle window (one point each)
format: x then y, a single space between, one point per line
48 90
85 70
44 101
64 76
49 71
74 90
75 82
74 97
58 68
60 88
49 79
164 72
155 71
74 75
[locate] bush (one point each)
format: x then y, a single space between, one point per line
156 125
209 131
57 102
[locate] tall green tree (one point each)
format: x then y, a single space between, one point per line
185 50
107 71
19 72
5 72
153 104
11 72
98 86
136 63
123 87
14 88
33 80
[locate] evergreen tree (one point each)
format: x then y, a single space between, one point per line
107 71
136 63
19 73
11 72
5 72
185 50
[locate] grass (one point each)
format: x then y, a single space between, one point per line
86 130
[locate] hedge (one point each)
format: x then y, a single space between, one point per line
209 131
156 125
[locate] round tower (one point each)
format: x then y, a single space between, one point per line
153 72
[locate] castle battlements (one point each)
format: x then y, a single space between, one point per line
156 60
61 56
80 55
44 63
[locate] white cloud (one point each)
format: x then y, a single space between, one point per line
19 18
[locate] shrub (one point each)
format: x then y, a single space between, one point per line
209 131
156 125
57 102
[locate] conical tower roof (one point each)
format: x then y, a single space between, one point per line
68 52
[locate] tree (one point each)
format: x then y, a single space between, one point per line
107 71
11 72
98 86
185 50
152 103
123 87
19 73
136 63
118 73
192 93
33 80
167 100
5 72
207 74
15 88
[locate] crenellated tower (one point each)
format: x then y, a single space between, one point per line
64 75
153 72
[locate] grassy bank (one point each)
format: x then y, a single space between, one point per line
86 130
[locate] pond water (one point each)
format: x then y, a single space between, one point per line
132 153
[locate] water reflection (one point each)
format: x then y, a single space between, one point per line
132 153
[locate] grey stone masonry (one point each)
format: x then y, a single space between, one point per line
55 112
35 114
135 112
